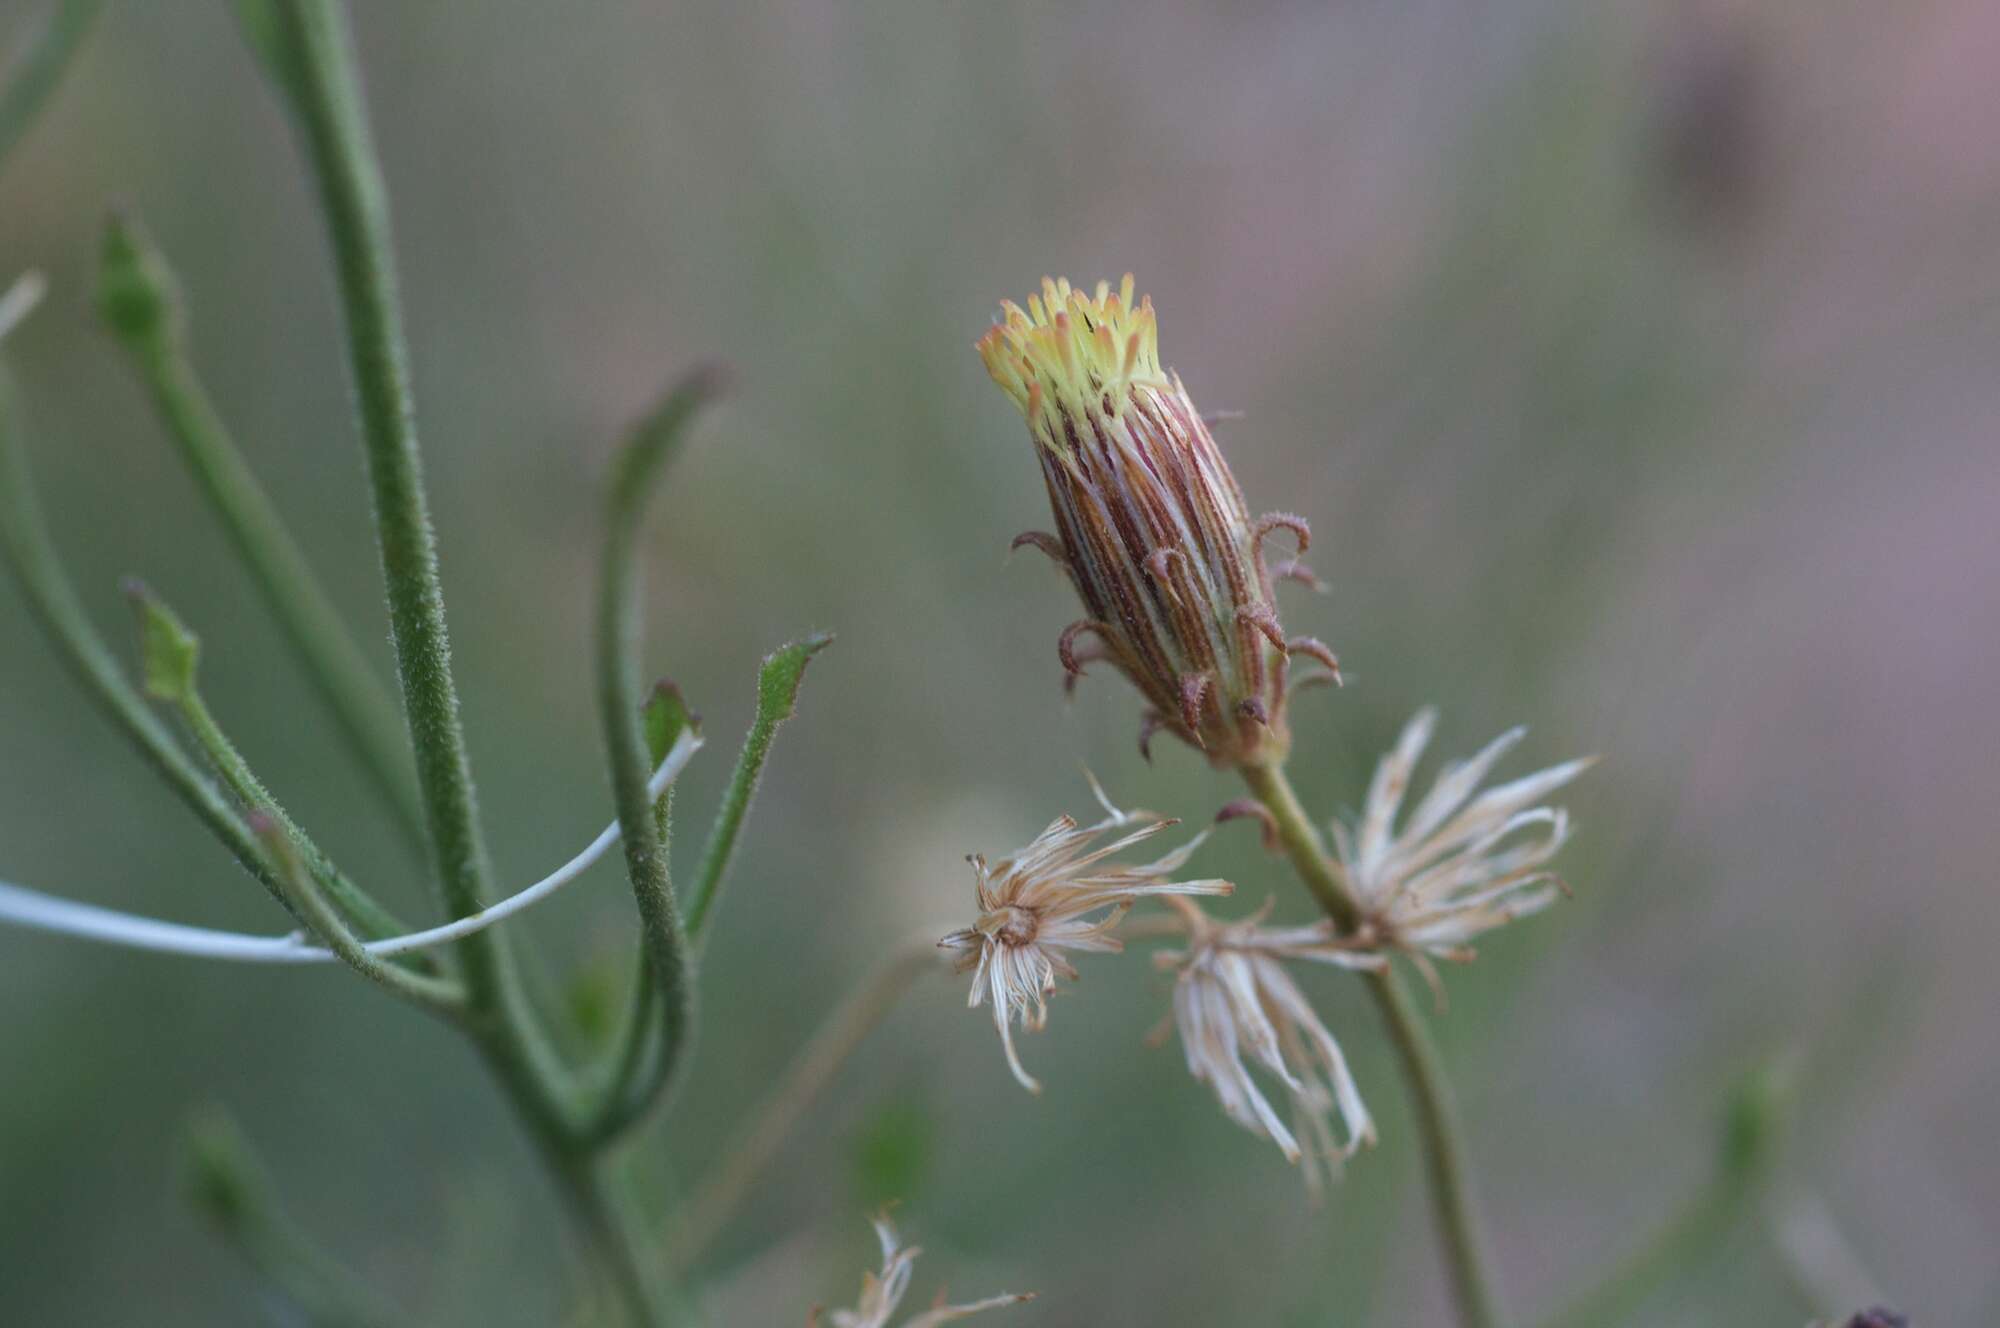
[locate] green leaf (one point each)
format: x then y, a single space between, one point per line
168 651
777 700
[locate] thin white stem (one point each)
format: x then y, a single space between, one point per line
23 907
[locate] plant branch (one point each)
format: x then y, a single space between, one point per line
314 60
1469 1263
170 654
668 967
777 699
24 540
227 1186
439 995
308 50
753 1149
138 297
1752 1130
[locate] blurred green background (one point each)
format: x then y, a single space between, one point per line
1633 363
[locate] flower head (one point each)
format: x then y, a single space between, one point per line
1057 894
881 1292
1150 523
1235 1004
1459 865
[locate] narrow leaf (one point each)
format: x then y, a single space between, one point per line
666 716
168 652
777 699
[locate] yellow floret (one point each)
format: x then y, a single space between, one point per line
1073 354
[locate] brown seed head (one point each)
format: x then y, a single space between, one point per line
1150 523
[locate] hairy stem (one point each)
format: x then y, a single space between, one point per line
747 1156
440 995
668 966
170 653
327 97
25 543
137 295
1470 1265
309 50
777 697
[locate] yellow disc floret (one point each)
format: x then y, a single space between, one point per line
1072 354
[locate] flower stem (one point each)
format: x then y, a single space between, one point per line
1466 1256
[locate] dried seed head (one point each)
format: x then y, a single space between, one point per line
1462 861
1150 523
1058 894
882 1292
1236 1006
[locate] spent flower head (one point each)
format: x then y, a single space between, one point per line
1235 1005
881 1292
1460 864
1059 893
1150 524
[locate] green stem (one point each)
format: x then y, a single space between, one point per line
1450 1171
170 654
373 920
1687 1239
24 540
668 966
310 52
38 70
1466 1256
615 1233
228 1186
326 92
639 1080
437 994
777 698
137 296
1753 1129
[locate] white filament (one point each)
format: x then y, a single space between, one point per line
43 912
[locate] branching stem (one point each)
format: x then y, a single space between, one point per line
137 294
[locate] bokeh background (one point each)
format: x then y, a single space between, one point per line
1634 364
